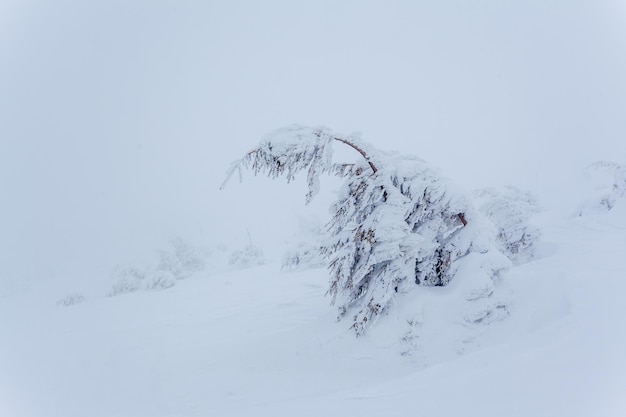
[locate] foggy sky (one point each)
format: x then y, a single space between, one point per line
118 119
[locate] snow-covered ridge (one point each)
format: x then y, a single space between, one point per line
263 341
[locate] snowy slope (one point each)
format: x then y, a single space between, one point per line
261 341
117 122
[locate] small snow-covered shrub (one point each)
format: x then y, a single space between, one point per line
489 314
306 253
131 279
71 299
303 256
251 255
396 224
510 209
610 186
159 280
182 261
126 280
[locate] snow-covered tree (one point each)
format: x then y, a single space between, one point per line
396 223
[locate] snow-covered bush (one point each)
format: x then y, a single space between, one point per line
126 279
610 180
159 280
510 209
180 262
251 255
397 222
71 299
305 255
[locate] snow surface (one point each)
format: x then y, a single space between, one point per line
262 341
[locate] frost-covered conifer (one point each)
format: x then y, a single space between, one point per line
396 224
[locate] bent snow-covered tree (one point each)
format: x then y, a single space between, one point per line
396 223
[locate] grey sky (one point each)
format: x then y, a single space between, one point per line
118 118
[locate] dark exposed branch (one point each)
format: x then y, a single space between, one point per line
356 148
359 150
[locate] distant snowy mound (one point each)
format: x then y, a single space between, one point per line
608 182
511 209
